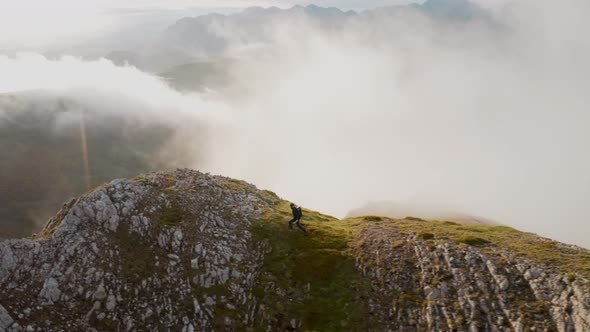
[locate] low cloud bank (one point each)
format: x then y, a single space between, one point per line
67 125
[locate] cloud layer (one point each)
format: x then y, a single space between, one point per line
67 125
482 117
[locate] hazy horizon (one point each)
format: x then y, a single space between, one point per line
38 24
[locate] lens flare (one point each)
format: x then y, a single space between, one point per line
84 146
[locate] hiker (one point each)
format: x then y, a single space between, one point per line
297 214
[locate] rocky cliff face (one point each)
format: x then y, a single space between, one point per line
429 284
187 251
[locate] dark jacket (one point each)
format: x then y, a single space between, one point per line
297 214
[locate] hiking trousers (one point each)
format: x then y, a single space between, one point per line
296 221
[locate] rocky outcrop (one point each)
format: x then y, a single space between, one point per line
162 251
187 251
423 283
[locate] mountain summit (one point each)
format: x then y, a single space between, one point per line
188 251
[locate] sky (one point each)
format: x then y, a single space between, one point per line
31 24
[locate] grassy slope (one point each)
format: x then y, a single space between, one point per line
324 262
523 244
316 271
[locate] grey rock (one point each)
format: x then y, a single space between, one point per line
532 274
100 293
219 222
199 248
195 263
197 306
5 319
148 313
111 302
431 293
50 291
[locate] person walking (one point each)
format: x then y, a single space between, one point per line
297 214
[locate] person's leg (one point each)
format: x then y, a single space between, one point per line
291 223
301 227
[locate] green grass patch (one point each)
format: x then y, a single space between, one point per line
472 240
313 216
414 218
270 195
237 185
168 181
409 299
425 236
170 215
398 243
372 218
451 223
140 179
137 258
317 272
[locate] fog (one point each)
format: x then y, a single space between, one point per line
484 120
68 125
484 117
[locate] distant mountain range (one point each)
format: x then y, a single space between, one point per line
212 35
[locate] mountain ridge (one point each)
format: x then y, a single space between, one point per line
191 39
185 250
